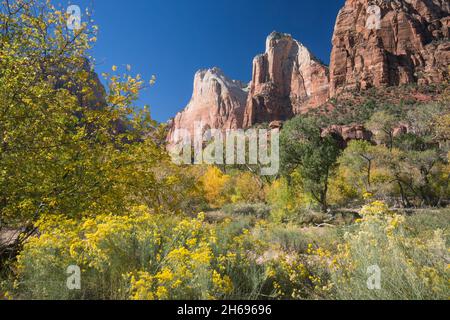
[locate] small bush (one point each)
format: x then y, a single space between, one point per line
258 210
148 256
247 188
283 201
216 187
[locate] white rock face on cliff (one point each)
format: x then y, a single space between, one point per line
287 80
217 102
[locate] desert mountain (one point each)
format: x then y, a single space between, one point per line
287 79
378 43
217 102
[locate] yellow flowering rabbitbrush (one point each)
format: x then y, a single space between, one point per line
137 256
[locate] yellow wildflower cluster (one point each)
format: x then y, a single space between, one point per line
375 208
154 257
410 266
138 256
290 277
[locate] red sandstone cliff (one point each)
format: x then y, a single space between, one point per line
376 43
287 79
409 44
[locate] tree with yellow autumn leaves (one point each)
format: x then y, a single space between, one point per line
68 146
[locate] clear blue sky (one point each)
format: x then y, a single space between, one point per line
172 39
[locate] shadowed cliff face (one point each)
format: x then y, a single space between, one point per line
409 45
96 98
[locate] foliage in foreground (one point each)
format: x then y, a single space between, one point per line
412 268
140 256
147 256
68 145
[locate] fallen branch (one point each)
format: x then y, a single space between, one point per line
325 225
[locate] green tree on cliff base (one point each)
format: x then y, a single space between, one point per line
315 156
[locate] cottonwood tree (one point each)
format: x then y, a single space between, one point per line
383 124
303 147
68 146
359 158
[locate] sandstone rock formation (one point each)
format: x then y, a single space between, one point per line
287 80
345 134
276 125
410 44
376 43
217 103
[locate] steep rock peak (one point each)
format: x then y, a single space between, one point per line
210 84
287 79
217 102
277 40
